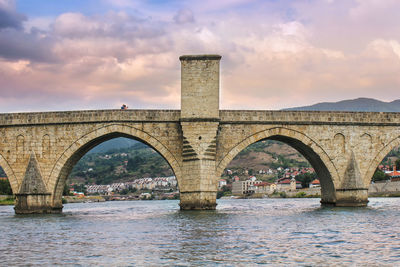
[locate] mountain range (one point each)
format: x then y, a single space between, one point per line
359 104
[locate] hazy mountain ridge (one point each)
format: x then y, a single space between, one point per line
358 104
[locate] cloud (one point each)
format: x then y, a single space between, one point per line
94 61
17 44
270 60
113 24
9 18
35 45
184 16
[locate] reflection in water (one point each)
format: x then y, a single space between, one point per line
240 232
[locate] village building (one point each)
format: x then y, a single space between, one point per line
264 188
221 183
139 184
394 175
252 186
315 183
285 185
243 187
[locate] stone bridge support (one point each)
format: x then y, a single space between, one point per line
199 121
352 191
33 196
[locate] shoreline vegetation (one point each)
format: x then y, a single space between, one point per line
7 200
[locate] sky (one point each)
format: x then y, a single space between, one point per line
86 54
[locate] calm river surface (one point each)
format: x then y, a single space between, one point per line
278 232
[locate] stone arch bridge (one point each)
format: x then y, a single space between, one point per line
38 150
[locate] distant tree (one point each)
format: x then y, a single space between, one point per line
397 163
306 179
134 163
380 176
224 191
66 191
390 163
2 173
5 187
80 188
124 191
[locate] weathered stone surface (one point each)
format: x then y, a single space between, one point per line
352 176
33 196
200 200
32 182
344 147
351 198
199 123
200 86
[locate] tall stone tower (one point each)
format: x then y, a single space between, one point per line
199 121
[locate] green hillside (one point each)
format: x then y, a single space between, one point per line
118 165
140 160
264 155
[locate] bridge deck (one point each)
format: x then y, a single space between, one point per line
226 117
310 117
89 116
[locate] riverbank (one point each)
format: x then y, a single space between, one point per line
7 200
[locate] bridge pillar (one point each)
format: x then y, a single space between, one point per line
199 122
33 196
352 192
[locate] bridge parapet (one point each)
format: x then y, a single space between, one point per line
87 116
307 117
226 116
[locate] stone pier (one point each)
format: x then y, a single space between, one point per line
199 122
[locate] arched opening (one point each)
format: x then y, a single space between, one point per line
299 164
6 193
7 172
385 180
121 164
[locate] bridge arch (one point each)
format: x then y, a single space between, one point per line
379 157
81 146
314 153
10 174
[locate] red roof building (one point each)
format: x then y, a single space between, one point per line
394 175
315 183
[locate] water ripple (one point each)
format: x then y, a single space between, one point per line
277 232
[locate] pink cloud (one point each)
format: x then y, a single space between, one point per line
269 62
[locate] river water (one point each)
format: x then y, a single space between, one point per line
276 232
